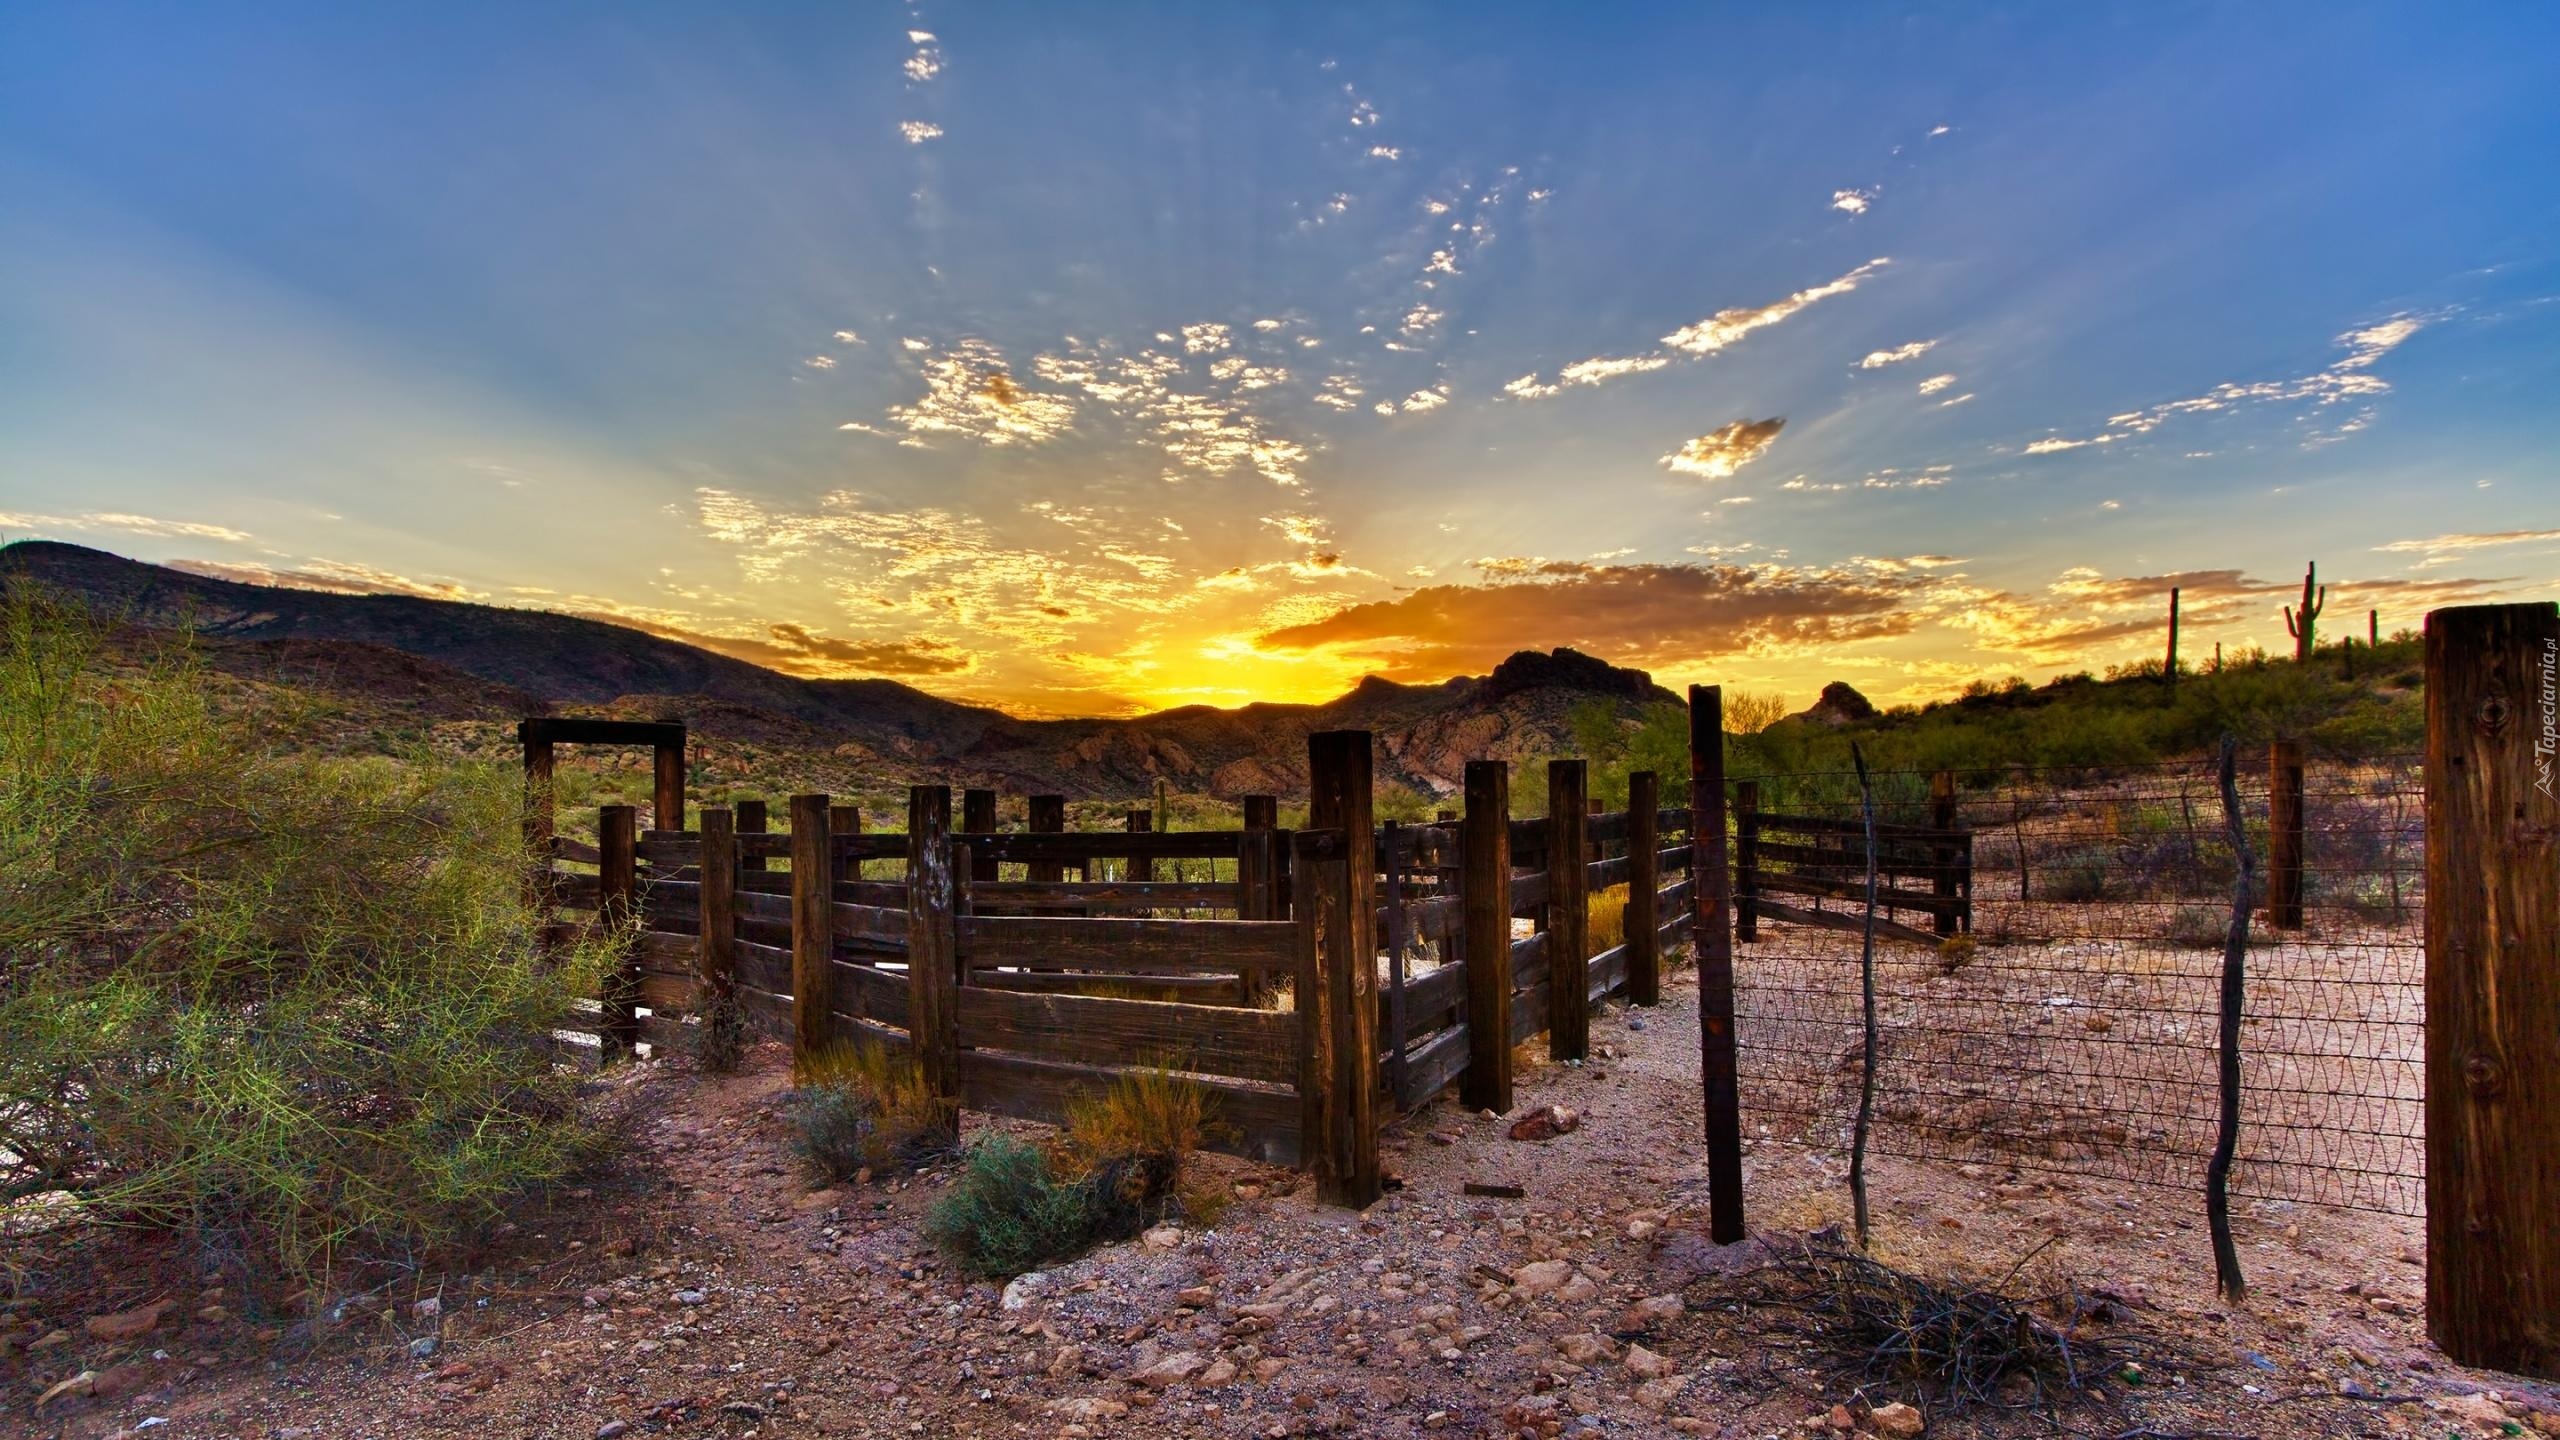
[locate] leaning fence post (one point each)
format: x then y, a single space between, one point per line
1484 890
716 964
2234 996
932 971
1644 883
617 913
1339 774
1713 932
1568 912
2284 835
812 924
2493 992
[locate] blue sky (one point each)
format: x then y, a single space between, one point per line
1093 358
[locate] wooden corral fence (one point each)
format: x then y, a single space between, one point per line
1321 983
1810 859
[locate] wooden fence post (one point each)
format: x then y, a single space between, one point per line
1485 897
540 824
845 820
716 965
1713 932
1746 859
618 913
667 804
978 817
1942 848
1568 911
2493 988
1644 885
1141 868
1262 812
2284 835
1345 928
752 820
933 1000
1048 816
812 925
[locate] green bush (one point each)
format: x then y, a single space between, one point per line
292 1007
860 1107
1010 1211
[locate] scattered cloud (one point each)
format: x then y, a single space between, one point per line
128 524
820 362
1878 359
2346 381
919 131
337 577
1705 337
1854 202
2440 549
1936 383
970 393
1724 450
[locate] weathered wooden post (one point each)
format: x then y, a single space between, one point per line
1713 932
667 805
2284 835
618 913
1568 911
1338 968
845 820
933 999
752 820
1485 900
540 802
1746 860
1141 868
2493 986
1644 886
1943 852
2169 671
1048 816
716 964
812 925
978 817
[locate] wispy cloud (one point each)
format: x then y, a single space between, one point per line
1878 359
1705 337
334 576
1720 452
2346 381
1853 202
127 524
919 131
1936 383
970 393
2440 549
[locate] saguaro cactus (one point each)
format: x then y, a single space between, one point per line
2169 671
2297 623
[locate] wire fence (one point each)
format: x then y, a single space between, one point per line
2069 1022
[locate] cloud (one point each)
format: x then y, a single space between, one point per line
1720 452
2439 549
820 362
1878 359
1649 614
970 393
2347 381
336 577
1206 339
1936 383
1424 400
1854 202
926 62
128 524
919 131
1706 337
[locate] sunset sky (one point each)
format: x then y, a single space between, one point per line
1097 358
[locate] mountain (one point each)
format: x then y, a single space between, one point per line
453 660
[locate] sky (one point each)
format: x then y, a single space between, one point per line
1093 359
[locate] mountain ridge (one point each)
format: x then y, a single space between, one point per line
502 657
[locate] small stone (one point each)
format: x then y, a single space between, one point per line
1088 1409
1896 1421
427 1309
422 1347
691 1297
1195 1296
1542 1277
1067 1361
1021 1289
1268 1368
1646 1365
1221 1371
1546 1123
1164 1237
613 1430
1583 1349
126 1324
1654 1310
1173 1369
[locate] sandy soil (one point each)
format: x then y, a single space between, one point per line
707 1290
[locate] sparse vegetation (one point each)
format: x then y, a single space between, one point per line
863 1107
1605 918
289 1007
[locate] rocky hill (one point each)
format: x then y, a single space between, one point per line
441 659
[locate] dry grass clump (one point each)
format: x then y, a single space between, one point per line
1605 918
861 1107
1951 1340
1121 1163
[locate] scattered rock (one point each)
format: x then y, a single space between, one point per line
1896 1421
1546 1123
1646 1365
1655 1310
1164 1237
130 1324
1022 1289
1585 1348
1173 1369
1542 1277
1087 1409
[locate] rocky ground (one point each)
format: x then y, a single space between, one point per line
707 1290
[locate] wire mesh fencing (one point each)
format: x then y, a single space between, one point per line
2049 962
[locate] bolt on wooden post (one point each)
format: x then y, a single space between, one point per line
2284 835
1713 932
812 924
1568 911
1644 884
2493 986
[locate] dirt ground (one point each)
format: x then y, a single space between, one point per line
708 1290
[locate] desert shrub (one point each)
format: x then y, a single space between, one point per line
1955 952
2198 927
1605 918
718 1036
292 1007
1120 1164
858 1107
2076 875
1010 1211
